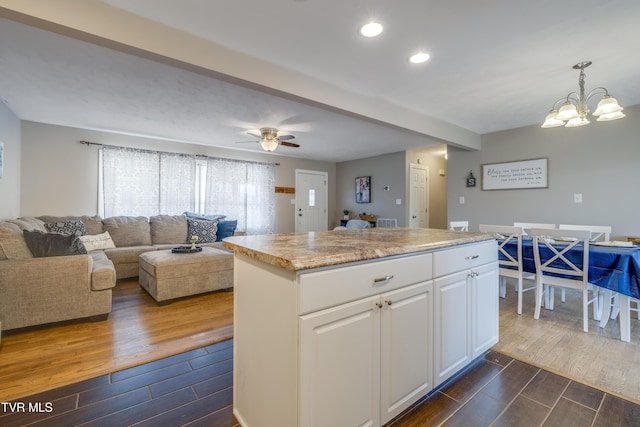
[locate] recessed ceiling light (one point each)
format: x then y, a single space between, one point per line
419 58
371 29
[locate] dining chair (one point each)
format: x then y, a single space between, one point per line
526 226
510 265
598 232
555 269
459 225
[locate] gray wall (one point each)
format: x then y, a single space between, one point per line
392 170
60 176
10 182
601 161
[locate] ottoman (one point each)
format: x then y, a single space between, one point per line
166 276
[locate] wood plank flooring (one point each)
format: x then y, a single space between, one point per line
37 361
195 389
137 331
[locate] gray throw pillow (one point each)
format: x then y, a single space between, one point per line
53 244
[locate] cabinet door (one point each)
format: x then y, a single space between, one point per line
452 338
340 365
485 311
405 348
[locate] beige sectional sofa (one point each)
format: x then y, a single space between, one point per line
42 290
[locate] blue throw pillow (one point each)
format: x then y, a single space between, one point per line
212 217
226 229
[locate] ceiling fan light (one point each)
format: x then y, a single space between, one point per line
607 105
568 111
269 144
372 29
577 122
607 117
552 120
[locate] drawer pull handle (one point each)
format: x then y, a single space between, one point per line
382 279
379 304
472 257
389 302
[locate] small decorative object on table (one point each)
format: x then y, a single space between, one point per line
188 249
346 213
367 217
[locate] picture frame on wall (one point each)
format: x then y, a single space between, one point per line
363 189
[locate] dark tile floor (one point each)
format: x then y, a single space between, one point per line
195 389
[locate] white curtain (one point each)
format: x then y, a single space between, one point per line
242 191
141 182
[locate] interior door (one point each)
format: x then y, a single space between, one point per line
419 196
311 201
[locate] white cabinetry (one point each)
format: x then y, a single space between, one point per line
352 345
466 307
364 362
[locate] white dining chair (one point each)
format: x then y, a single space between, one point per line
526 226
598 232
511 266
611 307
574 276
459 225
386 222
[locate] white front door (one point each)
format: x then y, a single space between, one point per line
419 196
311 201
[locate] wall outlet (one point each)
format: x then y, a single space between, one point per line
398 201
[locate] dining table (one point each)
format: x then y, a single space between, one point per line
616 269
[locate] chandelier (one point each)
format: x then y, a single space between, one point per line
574 109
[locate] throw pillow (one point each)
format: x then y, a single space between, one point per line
75 227
226 229
204 229
211 217
52 244
97 241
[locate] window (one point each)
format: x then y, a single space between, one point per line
147 183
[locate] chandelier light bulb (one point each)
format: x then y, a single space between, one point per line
552 121
568 111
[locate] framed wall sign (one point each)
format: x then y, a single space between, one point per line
515 175
363 189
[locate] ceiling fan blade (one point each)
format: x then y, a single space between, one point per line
285 137
289 144
243 142
257 135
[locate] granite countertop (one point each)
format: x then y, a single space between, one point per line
302 251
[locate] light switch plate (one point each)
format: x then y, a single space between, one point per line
577 198
461 200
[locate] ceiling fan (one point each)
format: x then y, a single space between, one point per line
269 139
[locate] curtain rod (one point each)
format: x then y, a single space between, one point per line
88 143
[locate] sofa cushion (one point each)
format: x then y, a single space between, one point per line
226 229
168 229
12 244
74 226
29 223
97 241
52 244
127 255
128 230
204 229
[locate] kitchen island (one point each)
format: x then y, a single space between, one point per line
351 327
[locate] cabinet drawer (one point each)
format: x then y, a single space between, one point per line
327 288
464 257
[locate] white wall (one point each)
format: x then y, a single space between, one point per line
601 161
10 182
60 176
